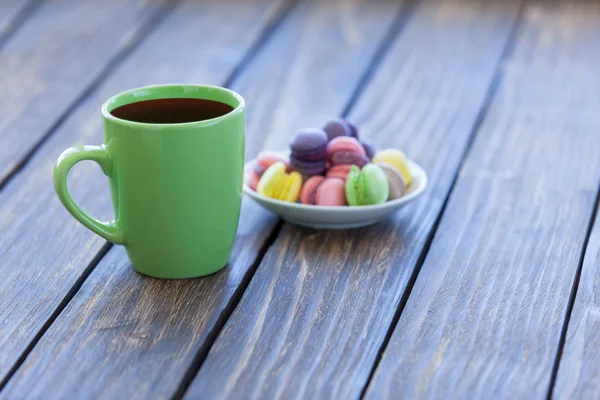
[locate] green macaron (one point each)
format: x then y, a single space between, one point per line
367 186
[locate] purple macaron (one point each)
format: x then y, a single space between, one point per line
353 130
309 151
308 168
337 127
369 149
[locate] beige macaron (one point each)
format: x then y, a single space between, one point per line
397 183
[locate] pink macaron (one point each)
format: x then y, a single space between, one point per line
322 191
263 161
252 181
339 171
346 150
268 158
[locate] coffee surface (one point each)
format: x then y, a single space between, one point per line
171 111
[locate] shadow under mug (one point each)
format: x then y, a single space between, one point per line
176 188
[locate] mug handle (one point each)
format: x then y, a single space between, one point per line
108 230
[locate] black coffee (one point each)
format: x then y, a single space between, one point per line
171 111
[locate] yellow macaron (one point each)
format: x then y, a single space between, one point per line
278 184
396 159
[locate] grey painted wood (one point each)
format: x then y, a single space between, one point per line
316 312
8 10
312 67
44 250
11 13
54 56
485 315
578 374
148 333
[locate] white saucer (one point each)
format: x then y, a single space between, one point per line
328 217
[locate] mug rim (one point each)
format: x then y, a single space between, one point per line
145 93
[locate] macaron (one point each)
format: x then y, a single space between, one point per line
353 130
368 149
395 179
252 181
278 184
309 152
322 191
267 158
396 159
346 150
263 161
336 128
367 186
339 171
348 157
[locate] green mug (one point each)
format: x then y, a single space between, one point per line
176 187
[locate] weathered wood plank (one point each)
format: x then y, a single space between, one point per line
9 9
314 316
313 67
11 14
485 315
578 374
35 282
53 58
150 332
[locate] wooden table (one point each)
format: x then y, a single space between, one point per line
487 287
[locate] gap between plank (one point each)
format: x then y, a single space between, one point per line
19 19
481 115
63 304
138 38
142 33
264 36
572 296
212 335
221 320
406 10
404 14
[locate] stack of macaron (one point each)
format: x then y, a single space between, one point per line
331 167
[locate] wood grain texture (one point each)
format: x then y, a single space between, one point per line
44 250
485 315
311 68
8 10
146 333
11 13
316 312
53 58
578 374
